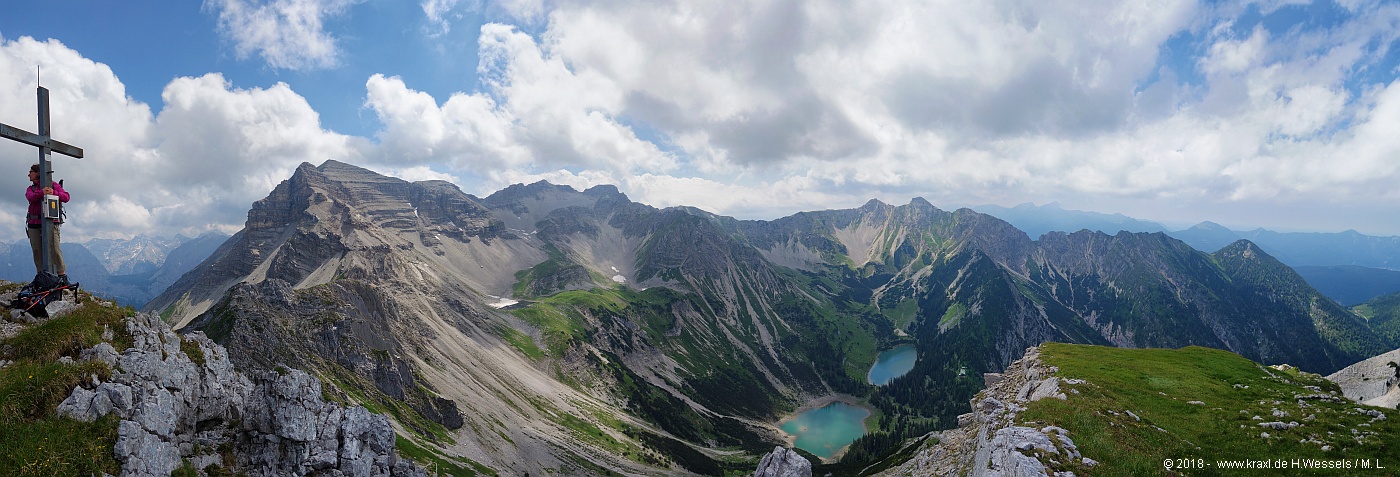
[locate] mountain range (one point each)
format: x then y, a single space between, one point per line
1348 266
544 329
131 272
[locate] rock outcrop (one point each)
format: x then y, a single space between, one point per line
783 462
180 399
989 442
1374 381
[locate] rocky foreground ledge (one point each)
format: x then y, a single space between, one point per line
987 442
187 403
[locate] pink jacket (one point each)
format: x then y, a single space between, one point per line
36 200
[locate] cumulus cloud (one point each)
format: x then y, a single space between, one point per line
789 102
773 106
535 113
287 34
197 165
992 100
263 132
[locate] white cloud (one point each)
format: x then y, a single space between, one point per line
438 13
817 105
527 11
254 138
765 108
467 132
113 212
417 173
88 109
199 164
538 114
1229 56
287 34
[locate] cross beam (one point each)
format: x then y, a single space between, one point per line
36 140
46 145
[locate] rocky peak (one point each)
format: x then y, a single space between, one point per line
874 205
921 203
318 214
521 207
783 462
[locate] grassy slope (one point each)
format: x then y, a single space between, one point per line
1158 385
1383 314
33 440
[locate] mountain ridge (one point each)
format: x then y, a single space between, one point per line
683 330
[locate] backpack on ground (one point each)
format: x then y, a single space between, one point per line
46 288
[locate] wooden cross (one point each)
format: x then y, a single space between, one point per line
45 145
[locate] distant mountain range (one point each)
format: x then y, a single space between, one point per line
550 330
129 271
138 254
1346 266
1037 220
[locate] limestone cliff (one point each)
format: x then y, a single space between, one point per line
176 407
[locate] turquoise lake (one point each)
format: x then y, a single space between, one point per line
826 430
893 363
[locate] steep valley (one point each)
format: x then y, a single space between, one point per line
660 341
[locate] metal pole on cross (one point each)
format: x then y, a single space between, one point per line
46 146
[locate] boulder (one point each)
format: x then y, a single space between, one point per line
783 462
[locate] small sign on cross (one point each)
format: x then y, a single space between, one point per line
45 145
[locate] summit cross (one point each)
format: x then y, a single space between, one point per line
46 146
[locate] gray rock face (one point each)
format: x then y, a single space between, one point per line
987 441
783 462
173 408
1374 381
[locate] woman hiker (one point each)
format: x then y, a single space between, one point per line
36 215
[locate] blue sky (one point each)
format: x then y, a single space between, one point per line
1272 114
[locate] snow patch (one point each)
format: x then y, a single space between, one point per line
619 278
502 302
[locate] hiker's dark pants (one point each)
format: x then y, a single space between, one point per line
54 252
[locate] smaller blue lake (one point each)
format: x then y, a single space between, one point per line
827 430
893 363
